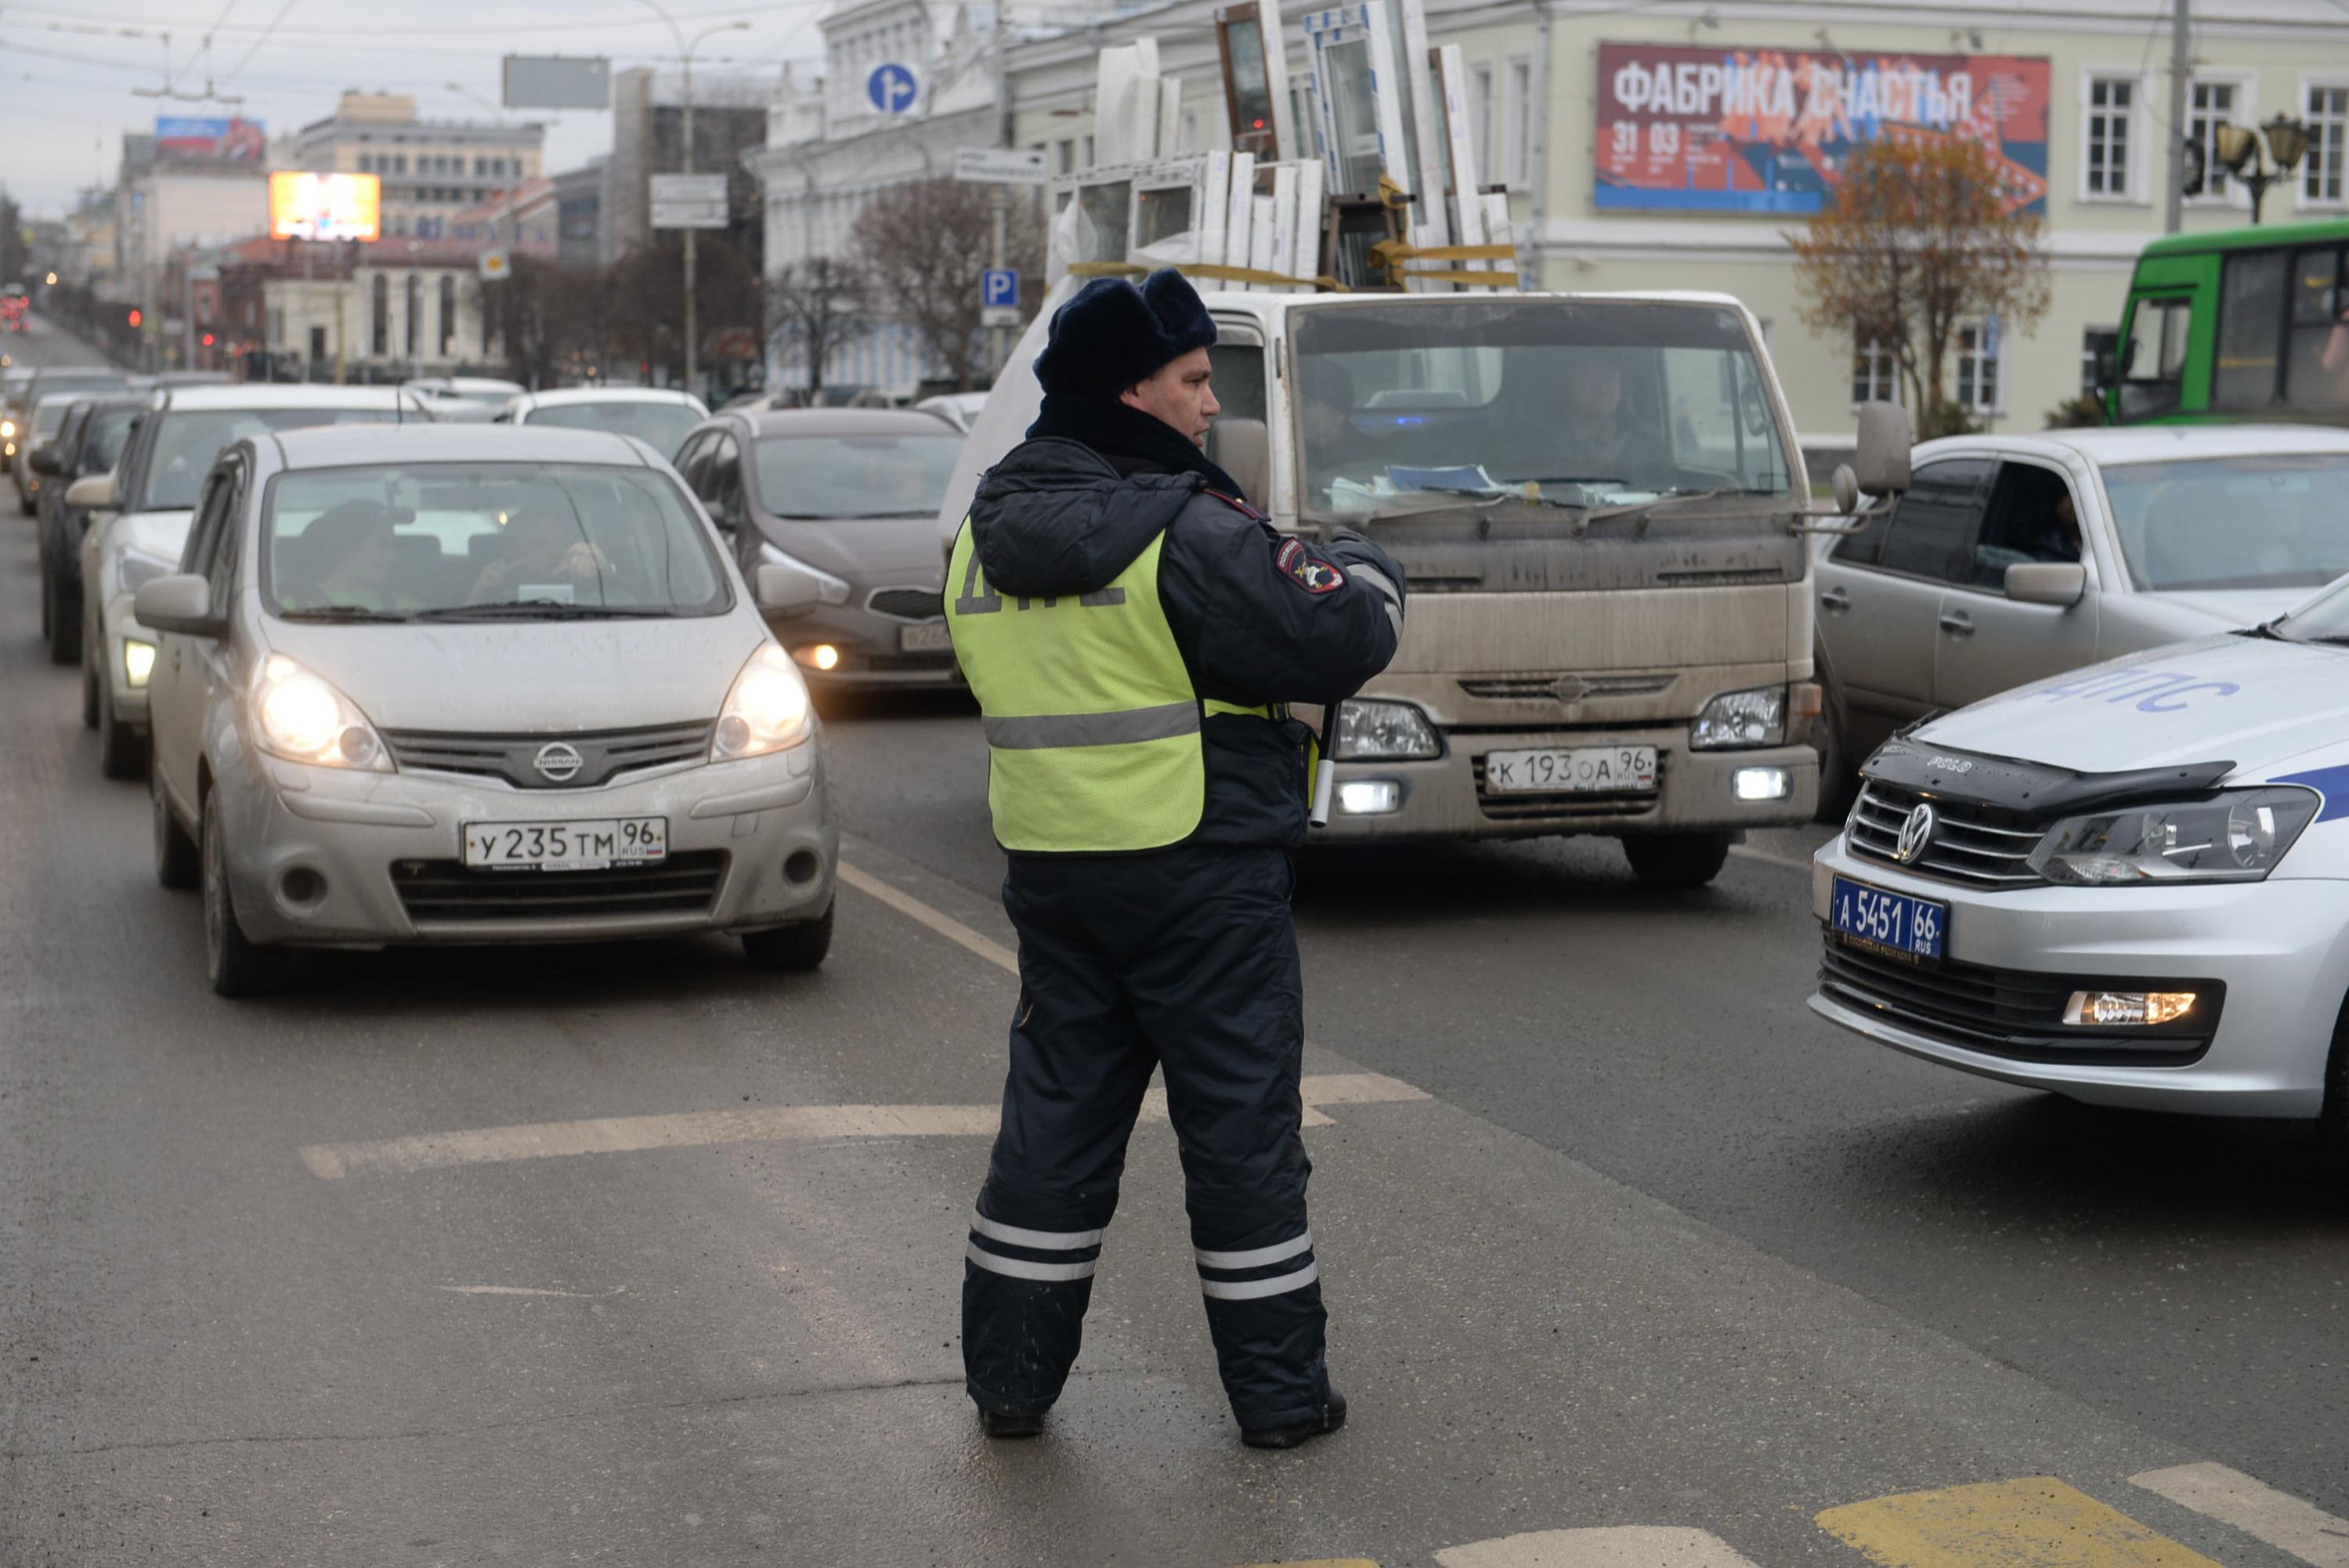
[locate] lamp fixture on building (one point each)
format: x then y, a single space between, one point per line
2238 149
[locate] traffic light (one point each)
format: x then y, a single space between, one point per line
208 340
136 318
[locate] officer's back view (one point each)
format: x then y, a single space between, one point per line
1134 630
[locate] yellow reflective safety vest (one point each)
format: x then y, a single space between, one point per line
1092 724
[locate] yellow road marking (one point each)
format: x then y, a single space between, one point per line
1620 1546
2035 1523
915 909
2255 1508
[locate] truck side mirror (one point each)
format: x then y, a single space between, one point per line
2107 369
1880 469
1242 449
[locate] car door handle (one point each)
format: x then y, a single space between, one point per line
1834 599
1958 624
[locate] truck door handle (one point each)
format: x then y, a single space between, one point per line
1834 599
1956 623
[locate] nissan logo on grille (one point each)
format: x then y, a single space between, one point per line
1916 835
559 759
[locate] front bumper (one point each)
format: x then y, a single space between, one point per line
871 649
327 856
1444 796
2280 948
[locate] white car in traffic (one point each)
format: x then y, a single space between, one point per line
656 416
2127 883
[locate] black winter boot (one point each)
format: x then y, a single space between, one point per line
1332 1417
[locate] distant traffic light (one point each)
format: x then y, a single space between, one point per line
136 318
208 340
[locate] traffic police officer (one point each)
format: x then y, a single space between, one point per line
1134 630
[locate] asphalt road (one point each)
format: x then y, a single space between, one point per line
1617 1239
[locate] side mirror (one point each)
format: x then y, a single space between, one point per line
787 589
1881 464
43 459
94 492
2058 582
1242 449
2107 369
179 603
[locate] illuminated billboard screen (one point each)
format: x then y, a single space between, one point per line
325 206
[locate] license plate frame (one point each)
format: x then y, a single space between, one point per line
1571 770
1882 920
594 843
926 638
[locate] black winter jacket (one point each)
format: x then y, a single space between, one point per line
1260 617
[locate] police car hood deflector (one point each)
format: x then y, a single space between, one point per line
1053 518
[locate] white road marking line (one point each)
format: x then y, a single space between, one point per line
1620 1546
531 1290
1319 1090
915 909
700 1129
2255 1508
1766 857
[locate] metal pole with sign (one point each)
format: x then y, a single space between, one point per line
999 167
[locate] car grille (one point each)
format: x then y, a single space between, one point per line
604 755
2014 1012
1563 688
1969 844
443 890
907 604
1516 807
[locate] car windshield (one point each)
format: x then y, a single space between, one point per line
1581 402
2267 520
189 440
660 426
825 476
487 541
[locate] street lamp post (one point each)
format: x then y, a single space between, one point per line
2239 148
685 54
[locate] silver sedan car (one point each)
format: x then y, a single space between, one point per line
459 684
654 415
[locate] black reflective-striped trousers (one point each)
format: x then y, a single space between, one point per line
1184 960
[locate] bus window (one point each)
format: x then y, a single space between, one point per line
2153 364
2318 374
2250 319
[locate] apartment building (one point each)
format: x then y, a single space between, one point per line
431 170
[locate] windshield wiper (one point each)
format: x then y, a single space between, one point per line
341 612
533 610
1670 498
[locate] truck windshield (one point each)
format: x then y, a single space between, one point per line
1586 403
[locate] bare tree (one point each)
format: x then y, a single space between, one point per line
1924 234
821 305
924 245
651 279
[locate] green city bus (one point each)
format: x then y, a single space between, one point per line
2237 324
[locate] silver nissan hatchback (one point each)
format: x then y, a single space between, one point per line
475 684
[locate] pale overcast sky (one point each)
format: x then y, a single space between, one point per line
70 72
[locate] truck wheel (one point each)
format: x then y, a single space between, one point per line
795 948
2333 1121
1838 773
235 965
179 863
1677 860
122 750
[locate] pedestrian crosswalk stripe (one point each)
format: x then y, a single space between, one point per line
2255 1508
1622 1546
2037 1520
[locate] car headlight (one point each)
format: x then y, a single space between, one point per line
137 661
1756 718
831 590
297 715
1369 731
2238 837
7 429
766 711
138 569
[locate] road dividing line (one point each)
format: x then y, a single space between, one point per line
2035 1523
915 909
698 1129
1622 1546
532 1290
2256 1508
1767 859
1321 1562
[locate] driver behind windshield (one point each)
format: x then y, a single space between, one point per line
1598 435
351 555
544 556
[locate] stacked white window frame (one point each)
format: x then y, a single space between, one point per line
2113 118
2325 168
2211 101
1980 385
1875 374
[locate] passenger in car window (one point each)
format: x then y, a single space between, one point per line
540 548
350 557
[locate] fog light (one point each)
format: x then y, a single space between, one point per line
818 656
1369 797
2094 1007
137 661
1762 784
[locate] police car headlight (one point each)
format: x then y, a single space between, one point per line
1756 718
766 711
2237 837
1383 732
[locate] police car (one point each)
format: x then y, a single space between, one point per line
2128 883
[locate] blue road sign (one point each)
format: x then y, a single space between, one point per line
891 87
999 285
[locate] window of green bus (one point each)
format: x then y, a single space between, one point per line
2153 364
2250 319
2316 373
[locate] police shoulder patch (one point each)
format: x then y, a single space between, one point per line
1304 569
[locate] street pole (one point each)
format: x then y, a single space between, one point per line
188 311
693 355
2182 70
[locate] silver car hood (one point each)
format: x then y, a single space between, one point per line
2234 607
877 551
528 677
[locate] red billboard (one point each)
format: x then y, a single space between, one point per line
1766 130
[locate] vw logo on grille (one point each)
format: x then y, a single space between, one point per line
1569 688
559 759
1916 835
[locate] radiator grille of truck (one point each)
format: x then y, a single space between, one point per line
1568 688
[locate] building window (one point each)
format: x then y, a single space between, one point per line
2210 105
2326 113
2112 127
1516 163
1065 155
1875 374
1979 346
1480 119
1089 152
380 332
2097 344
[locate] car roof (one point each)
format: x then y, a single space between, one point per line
424 441
846 422
560 397
284 394
464 384
2151 443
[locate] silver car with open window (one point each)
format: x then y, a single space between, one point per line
457 684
